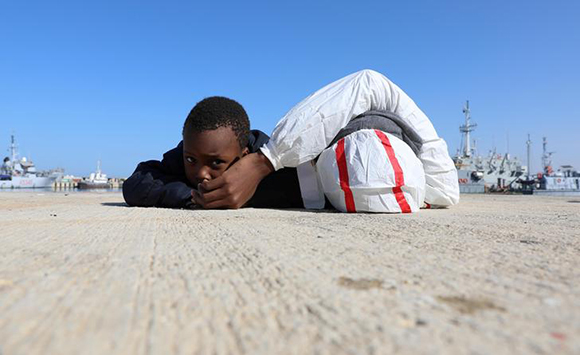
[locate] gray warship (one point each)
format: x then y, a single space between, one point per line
21 173
479 174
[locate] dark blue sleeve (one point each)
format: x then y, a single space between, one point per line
256 140
159 183
281 188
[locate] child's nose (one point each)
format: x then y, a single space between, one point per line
203 174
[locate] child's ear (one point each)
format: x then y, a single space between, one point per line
245 152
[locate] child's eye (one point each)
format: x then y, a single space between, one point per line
190 160
217 162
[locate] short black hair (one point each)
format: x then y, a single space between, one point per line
214 112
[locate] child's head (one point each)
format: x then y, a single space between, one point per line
215 135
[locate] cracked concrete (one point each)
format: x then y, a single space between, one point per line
83 273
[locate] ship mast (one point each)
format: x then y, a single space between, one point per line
466 129
546 157
529 144
13 150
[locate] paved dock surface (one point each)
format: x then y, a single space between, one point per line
81 273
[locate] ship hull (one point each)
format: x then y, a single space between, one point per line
23 182
468 185
557 192
84 185
492 174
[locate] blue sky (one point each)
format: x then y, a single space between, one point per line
114 80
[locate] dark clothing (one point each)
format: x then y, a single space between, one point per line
164 184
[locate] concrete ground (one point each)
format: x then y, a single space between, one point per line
83 273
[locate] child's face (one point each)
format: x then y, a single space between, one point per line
207 154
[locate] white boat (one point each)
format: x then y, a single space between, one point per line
96 180
21 173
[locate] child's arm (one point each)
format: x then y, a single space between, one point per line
307 129
275 189
159 183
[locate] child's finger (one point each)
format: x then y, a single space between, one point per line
202 201
209 185
214 195
200 187
199 199
195 198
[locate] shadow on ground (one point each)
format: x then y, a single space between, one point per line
115 204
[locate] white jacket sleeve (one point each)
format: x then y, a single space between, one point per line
307 129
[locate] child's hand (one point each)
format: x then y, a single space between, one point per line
235 187
191 204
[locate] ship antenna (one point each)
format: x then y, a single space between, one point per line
508 141
529 144
466 129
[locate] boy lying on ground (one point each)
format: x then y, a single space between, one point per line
216 134
359 143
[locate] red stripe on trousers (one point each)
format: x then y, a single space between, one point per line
343 175
399 179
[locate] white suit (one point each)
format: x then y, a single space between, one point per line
310 126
